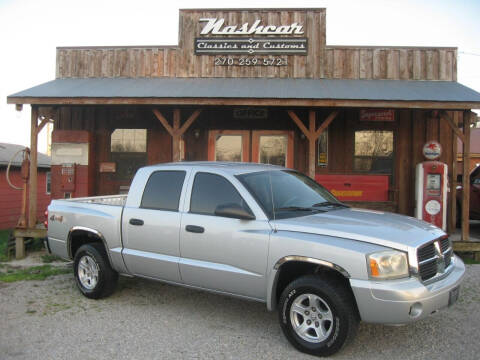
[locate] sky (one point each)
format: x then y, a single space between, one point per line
30 30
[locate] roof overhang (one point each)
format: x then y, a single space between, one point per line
251 92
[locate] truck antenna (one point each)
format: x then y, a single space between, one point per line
273 201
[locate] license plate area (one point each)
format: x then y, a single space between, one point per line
453 296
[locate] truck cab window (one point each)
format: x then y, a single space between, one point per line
210 191
163 190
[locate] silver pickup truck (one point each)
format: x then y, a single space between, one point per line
264 233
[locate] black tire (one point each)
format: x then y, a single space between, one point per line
342 308
105 282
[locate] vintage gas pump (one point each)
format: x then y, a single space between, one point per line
431 187
68 179
72 159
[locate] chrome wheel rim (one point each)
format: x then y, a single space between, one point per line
88 272
311 318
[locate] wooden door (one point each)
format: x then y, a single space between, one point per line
229 145
273 147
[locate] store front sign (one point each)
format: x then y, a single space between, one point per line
285 46
216 26
377 115
250 113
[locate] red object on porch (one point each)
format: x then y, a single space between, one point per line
356 187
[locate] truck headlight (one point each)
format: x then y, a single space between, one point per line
390 264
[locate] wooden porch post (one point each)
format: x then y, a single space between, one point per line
176 131
312 134
466 178
311 144
176 153
32 186
457 134
453 185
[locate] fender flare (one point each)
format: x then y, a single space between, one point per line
273 279
89 230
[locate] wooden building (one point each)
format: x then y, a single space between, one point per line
10 198
474 151
256 85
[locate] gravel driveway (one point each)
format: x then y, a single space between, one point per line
148 320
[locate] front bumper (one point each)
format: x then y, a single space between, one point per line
406 300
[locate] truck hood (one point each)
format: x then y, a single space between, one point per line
375 227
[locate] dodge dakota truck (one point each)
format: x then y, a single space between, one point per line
264 233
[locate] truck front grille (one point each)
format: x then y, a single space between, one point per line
434 258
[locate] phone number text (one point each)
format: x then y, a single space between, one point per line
250 61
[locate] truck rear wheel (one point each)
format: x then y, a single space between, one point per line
94 276
317 316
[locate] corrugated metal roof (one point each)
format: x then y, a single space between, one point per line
8 150
260 88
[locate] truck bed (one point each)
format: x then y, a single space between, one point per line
114 200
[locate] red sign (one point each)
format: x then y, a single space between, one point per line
356 187
377 115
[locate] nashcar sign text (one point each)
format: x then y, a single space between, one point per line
215 27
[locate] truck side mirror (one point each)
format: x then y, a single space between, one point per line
234 211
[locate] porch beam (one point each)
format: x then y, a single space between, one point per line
176 131
164 121
299 123
176 143
32 186
453 191
326 123
466 178
450 122
189 121
312 134
42 124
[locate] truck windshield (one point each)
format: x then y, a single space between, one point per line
288 193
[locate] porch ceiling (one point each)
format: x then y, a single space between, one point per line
252 91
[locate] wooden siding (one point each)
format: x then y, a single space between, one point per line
11 200
395 63
322 61
181 61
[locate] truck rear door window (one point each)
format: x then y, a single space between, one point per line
163 190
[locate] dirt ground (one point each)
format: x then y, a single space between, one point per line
147 320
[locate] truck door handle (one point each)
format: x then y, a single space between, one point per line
137 222
195 229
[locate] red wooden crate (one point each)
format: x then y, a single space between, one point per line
356 187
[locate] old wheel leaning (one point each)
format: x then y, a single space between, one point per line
94 276
317 316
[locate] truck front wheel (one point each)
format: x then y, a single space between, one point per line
94 276
317 316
